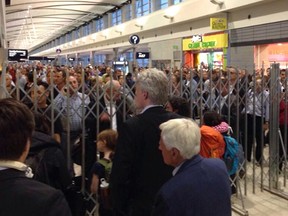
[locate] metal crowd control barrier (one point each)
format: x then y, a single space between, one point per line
200 96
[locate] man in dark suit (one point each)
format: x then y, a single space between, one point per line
19 194
138 170
200 186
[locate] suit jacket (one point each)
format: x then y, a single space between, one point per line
138 169
20 195
200 188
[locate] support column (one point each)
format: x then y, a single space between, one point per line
134 56
3 58
76 58
274 127
133 8
92 60
115 50
66 60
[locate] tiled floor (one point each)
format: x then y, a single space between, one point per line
262 204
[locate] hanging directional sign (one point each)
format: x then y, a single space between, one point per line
134 39
142 55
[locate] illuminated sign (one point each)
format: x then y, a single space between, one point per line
218 23
40 58
118 63
17 54
134 39
205 45
207 42
142 55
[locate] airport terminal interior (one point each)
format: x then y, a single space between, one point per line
233 48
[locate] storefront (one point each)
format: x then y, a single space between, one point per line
266 54
208 50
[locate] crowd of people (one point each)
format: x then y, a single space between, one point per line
157 162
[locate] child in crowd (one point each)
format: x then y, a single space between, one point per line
106 143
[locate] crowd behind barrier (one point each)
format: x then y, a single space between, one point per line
80 102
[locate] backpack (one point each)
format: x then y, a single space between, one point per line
231 154
105 191
38 165
212 143
107 164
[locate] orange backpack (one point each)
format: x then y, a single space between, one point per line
212 143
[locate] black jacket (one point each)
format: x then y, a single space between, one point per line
138 169
20 195
53 169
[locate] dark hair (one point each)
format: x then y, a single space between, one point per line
64 73
44 84
30 76
180 105
41 123
16 127
211 118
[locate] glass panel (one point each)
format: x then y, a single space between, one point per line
177 1
116 17
163 4
142 7
99 25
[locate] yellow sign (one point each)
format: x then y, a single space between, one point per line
218 23
208 42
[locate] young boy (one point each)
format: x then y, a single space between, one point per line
106 143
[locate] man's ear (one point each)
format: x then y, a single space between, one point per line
175 152
145 94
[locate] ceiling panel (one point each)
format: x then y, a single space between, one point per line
33 22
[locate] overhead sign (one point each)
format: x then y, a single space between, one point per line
213 41
218 23
40 58
118 63
134 39
17 54
142 55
